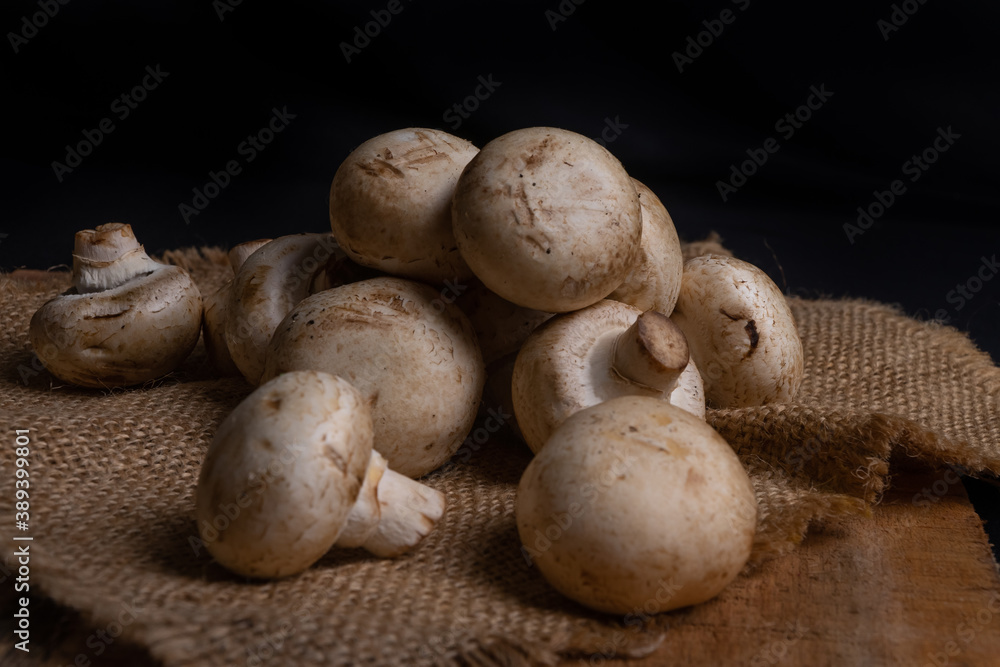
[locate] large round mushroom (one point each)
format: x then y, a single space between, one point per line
635 503
547 218
412 355
390 203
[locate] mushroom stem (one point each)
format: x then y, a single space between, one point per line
652 352
393 513
365 515
107 256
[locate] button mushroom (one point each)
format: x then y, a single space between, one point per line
547 219
126 320
291 472
413 356
269 284
635 503
654 281
579 359
390 203
741 331
216 307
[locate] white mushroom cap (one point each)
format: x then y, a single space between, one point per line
291 472
413 356
580 359
654 281
390 203
741 331
268 285
635 503
127 319
547 219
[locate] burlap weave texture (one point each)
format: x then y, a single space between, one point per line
113 475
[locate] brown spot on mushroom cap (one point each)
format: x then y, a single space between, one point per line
741 332
751 330
390 203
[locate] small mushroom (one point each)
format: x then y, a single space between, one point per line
291 472
636 504
127 319
741 331
390 203
547 219
579 359
654 281
217 305
268 285
412 355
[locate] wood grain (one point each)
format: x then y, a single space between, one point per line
916 584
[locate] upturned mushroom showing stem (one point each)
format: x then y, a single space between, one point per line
580 359
126 320
291 472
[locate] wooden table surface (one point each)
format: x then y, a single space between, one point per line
916 584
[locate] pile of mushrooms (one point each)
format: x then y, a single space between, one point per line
535 272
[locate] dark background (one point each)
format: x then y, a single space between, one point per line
582 67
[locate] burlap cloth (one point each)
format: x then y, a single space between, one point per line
113 476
